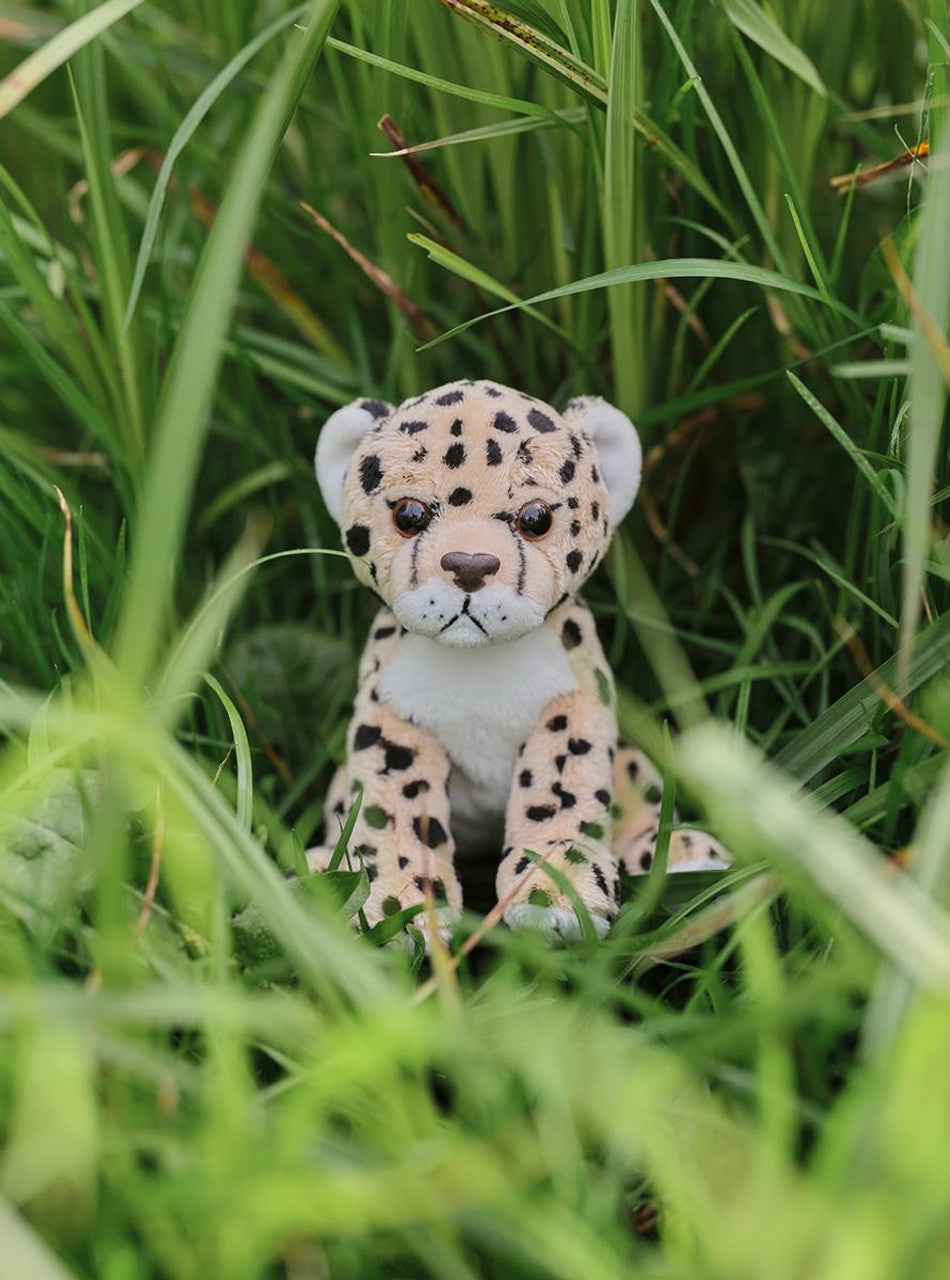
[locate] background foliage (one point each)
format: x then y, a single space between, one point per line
204 1072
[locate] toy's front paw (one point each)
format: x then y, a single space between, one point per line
535 890
557 924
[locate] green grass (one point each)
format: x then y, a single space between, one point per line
748 1077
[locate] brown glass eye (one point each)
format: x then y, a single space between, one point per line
534 520
410 516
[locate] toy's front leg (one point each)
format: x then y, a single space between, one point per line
559 809
402 833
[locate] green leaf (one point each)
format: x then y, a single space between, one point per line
33 70
762 30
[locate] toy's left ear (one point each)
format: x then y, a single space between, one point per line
615 438
342 434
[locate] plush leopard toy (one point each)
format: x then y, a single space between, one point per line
485 718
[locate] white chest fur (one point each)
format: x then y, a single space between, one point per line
481 704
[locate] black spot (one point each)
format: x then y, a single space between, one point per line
493 451
413 428
493 392
617 890
574 560
371 473
357 539
365 850
450 397
430 831
372 570
526 778
420 454
575 528
560 762
412 789
505 422
435 887
522 865
652 794
454 455
573 503
633 768
601 880
576 447
539 812
383 633
456 428
540 421
524 452
459 497
578 746
595 510
595 475
371 870
556 723
339 807
397 757
603 796
567 798
366 735
646 860
566 471
378 408
403 862
570 634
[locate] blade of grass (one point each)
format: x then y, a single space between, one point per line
183 135
33 70
927 394
839 434
663 269
760 811
183 413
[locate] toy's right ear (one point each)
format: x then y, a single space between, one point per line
342 434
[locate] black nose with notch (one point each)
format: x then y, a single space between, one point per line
470 571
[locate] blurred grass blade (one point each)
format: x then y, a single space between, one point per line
623 213
182 136
841 436
762 30
33 70
927 394
761 812
198 640
185 406
242 756
24 1253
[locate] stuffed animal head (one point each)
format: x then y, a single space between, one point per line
474 510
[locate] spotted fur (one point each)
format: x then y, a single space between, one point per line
485 714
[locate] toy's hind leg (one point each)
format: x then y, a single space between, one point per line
638 789
334 815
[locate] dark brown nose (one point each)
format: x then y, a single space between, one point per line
470 571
